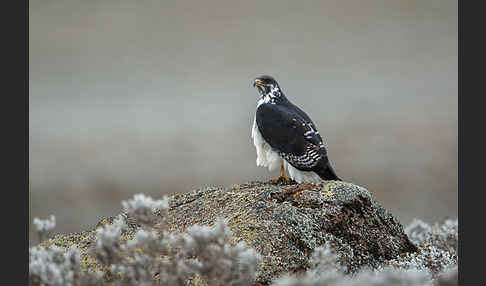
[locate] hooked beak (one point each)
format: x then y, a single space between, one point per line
257 82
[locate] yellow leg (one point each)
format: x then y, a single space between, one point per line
281 177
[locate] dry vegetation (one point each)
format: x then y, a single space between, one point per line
205 255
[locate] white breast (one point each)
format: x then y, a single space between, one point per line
266 157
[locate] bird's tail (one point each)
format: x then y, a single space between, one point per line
327 173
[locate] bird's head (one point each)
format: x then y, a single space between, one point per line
266 85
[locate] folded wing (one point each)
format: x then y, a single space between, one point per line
289 131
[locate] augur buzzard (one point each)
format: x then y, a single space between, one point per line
285 136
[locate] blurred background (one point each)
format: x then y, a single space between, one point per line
155 97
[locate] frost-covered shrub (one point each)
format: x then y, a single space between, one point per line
325 259
448 233
384 277
108 249
44 226
142 208
328 271
417 231
325 270
145 253
448 277
215 259
172 259
420 232
153 254
56 266
52 266
391 276
437 247
149 255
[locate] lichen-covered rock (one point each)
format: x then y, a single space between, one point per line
283 223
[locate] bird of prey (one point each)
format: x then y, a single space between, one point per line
285 136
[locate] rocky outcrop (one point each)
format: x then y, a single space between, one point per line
284 224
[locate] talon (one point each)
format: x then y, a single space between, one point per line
281 177
287 179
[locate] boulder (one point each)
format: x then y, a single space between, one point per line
283 223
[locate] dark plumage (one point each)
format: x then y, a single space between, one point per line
290 132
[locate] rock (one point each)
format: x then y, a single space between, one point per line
285 223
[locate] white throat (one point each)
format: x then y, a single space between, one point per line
269 97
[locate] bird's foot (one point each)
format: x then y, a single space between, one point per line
283 179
